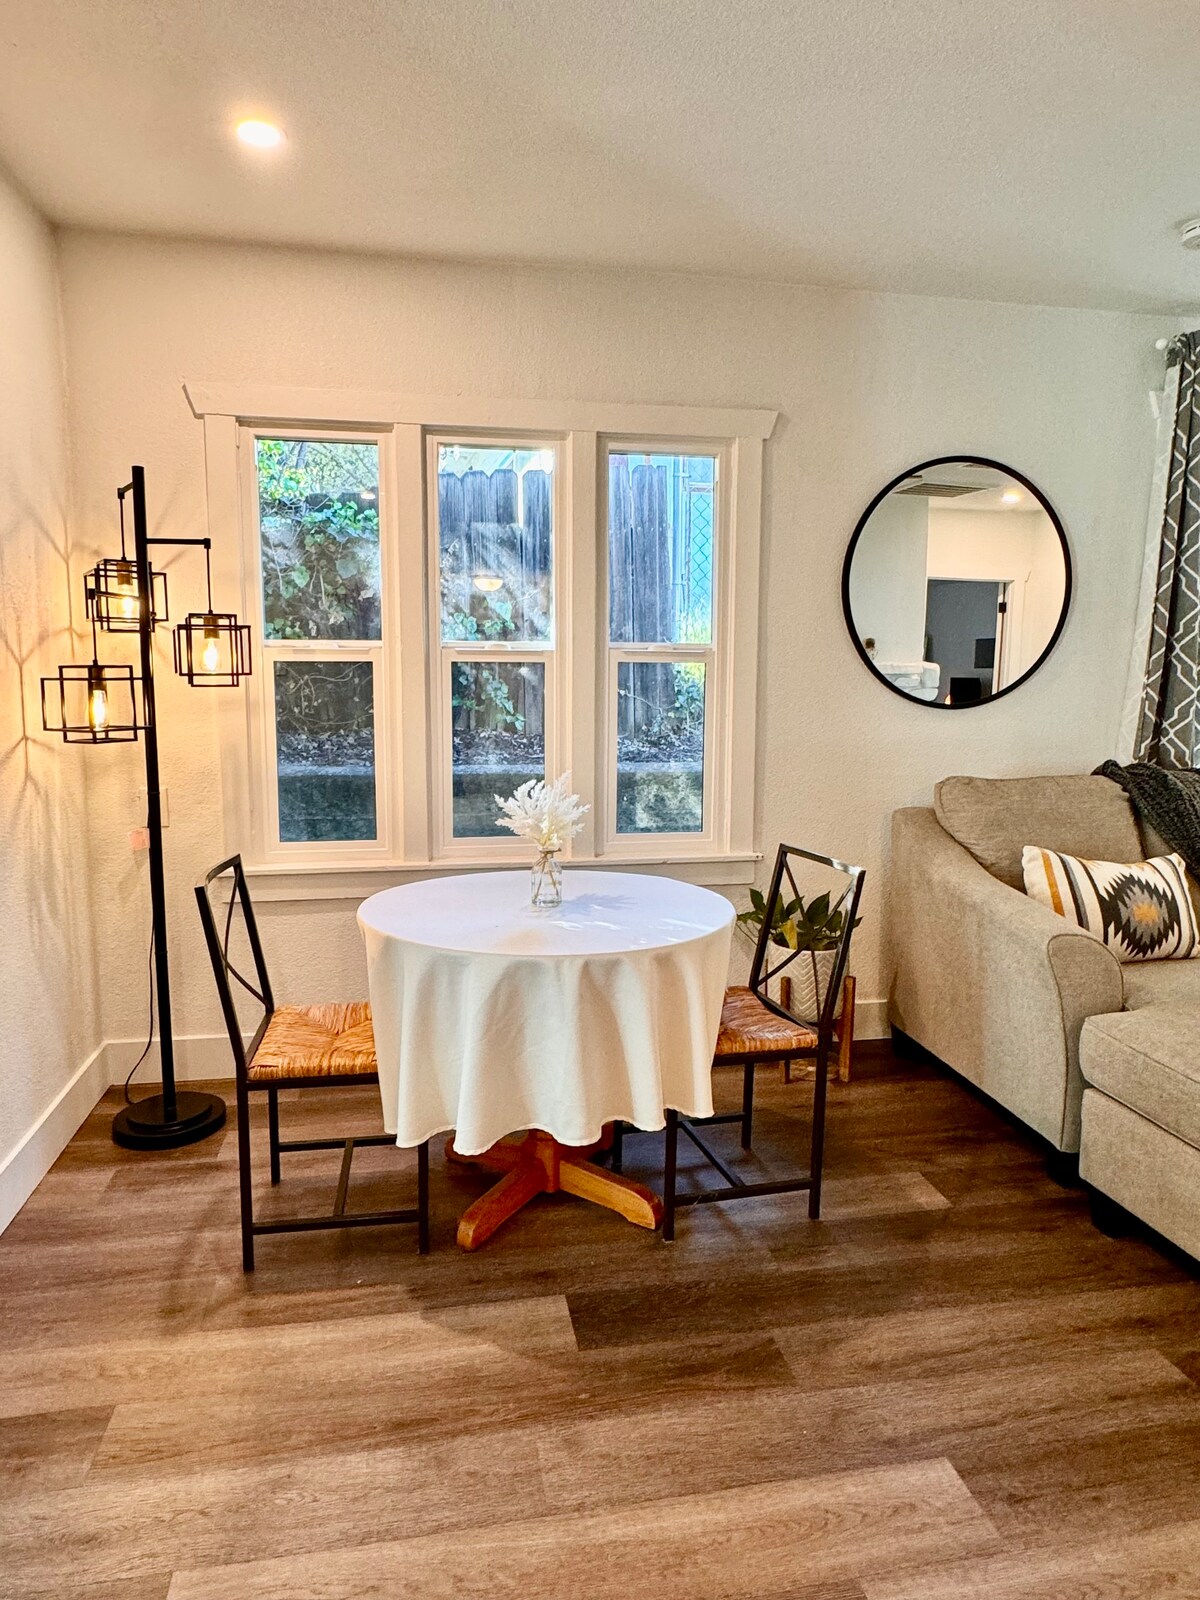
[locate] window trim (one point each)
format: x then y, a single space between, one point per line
714 655
584 430
445 846
269 849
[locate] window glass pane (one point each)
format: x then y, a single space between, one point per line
660 747
499 738
318 514
325 744
661 528
495 510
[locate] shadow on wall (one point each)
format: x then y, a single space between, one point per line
36 828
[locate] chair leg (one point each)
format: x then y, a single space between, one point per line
244 1177
273 1131
846 1032
817 1160
423 1198
670 1149
617 1149
747 1104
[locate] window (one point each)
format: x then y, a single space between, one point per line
316 502
663 544
492 558
447 612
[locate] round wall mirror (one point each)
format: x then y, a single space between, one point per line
957 582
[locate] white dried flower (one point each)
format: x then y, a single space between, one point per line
543 813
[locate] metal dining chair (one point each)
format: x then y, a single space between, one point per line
292 1047
757 1028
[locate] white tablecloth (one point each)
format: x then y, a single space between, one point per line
492 1016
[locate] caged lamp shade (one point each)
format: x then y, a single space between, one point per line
113 602
113 592
212 649
91 703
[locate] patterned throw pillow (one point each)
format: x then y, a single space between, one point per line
1142 909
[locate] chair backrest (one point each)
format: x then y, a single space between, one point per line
825 918
228 921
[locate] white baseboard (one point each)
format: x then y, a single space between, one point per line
28 1162
871 1019
197 1056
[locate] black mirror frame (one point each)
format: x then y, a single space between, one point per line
1068 578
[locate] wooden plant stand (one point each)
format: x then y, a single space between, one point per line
537 1164
844 1029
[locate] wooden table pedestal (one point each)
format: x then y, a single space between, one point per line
537 1164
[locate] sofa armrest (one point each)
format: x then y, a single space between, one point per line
993 983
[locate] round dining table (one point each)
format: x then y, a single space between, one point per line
494 1017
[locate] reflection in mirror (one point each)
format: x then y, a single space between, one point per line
956 582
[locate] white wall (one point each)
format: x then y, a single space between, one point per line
49 1029
887 580
866 384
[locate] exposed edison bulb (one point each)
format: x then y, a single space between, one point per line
127 590
210 656
97 706
487 582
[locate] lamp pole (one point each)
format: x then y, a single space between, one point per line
161 1121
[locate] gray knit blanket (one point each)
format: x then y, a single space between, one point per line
1168 801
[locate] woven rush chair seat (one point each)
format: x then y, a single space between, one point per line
749 1028
322 1041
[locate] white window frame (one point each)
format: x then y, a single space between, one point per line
412 780
443 653
269 849
714 655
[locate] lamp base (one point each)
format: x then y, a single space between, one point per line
144 1125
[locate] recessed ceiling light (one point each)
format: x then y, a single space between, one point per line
261 135
1010 497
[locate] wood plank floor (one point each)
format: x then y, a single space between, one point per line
951 1387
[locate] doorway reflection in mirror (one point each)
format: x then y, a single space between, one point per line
956 582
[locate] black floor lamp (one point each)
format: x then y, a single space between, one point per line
106 703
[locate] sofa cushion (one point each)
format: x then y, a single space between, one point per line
1148 1060
1157 983
995 818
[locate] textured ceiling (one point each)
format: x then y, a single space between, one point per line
1003 149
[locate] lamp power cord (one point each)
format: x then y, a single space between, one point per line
129 1100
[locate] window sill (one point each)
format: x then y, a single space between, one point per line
283 884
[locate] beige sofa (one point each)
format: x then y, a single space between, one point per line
1095 1056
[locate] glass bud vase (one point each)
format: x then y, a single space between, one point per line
545 884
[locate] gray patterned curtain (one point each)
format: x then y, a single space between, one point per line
1168 732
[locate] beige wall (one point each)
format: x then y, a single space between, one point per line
866 386
50 1028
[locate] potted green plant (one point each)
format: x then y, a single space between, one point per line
812 928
